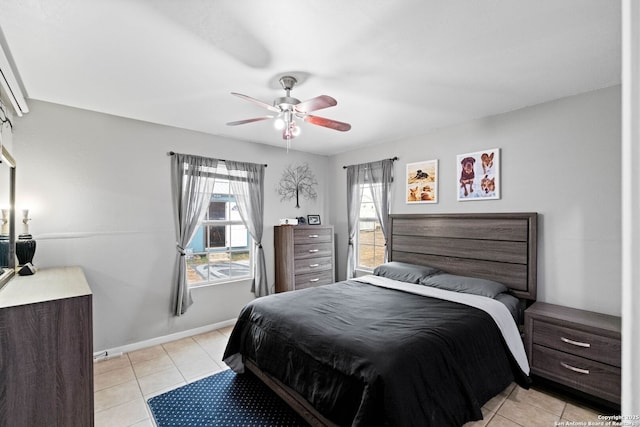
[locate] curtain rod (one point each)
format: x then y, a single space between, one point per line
171 153
393 159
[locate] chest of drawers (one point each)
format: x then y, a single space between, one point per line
304 256
46 350
579 349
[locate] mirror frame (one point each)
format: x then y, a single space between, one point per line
10 271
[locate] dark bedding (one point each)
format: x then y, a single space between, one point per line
366 356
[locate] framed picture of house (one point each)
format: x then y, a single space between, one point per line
478 175
422 182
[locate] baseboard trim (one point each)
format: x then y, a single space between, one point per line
117 351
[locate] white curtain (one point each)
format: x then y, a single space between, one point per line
191 188
249 191
378 176
355 176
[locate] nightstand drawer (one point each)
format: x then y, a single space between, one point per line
583 374
314 279
313 265
580 343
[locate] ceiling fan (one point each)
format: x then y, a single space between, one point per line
287 109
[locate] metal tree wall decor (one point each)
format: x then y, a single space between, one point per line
297 181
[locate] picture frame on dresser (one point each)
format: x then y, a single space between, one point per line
313 219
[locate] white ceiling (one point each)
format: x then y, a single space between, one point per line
397 68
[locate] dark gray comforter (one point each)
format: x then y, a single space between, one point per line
366 356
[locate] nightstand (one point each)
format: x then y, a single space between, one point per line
577 348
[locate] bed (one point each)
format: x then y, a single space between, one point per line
424 341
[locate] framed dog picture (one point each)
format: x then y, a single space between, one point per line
478 175
422 182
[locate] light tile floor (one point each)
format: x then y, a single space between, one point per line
123 385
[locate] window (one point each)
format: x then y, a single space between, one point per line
220 251
370 246
368 193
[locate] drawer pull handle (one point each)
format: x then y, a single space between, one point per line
313 250
314 280
576 343
313 236
574 369
314 265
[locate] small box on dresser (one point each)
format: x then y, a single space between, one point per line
304 256
577 348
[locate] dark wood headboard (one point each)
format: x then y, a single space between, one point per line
496 246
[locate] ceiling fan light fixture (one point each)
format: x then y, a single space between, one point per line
291 131
279 123
288 108
295 129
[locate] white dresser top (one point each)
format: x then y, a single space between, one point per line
45 285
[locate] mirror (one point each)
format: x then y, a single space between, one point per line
7 217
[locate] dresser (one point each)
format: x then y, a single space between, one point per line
577 348
46 350
304 256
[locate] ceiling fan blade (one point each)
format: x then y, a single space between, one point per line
317 103
255 119
257 101
328 123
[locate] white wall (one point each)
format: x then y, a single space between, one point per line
560 159
98 187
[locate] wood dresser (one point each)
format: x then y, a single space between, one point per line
579 349
304 256
46 350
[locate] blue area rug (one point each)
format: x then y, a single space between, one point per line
223 399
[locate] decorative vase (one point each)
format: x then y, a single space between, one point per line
25 248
